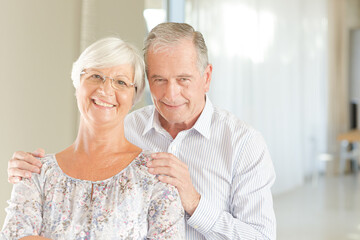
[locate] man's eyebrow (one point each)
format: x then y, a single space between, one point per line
184 75
156 76
179 75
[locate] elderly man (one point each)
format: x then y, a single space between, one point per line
220 166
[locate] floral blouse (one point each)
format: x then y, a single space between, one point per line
133 204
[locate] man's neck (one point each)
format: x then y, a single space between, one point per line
175 128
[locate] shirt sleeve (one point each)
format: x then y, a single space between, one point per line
251 214
24 213
165 214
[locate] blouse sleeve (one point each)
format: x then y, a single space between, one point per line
166 214
24 213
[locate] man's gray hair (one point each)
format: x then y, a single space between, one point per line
167 34
110 52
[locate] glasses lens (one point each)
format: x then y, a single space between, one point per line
95 77
121 83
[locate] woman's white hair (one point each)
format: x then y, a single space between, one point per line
110 52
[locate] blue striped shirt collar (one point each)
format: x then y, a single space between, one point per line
202 125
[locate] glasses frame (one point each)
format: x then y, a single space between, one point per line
83 72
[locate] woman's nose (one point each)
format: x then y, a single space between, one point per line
106 87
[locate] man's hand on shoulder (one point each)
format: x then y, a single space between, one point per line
22 164
176 173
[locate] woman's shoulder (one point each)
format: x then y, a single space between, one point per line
48 169
141 161
143 158
48 161
49 165
139 165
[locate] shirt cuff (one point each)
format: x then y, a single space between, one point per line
204 216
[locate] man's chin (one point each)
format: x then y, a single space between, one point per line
172 117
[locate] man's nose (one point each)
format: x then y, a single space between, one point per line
172 90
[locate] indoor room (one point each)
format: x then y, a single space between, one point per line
288 68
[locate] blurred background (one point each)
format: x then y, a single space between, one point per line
290 68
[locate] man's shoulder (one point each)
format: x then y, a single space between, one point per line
229 120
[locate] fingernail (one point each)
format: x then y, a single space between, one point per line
39 164
149 164
27 175
37 170
16 180
151 170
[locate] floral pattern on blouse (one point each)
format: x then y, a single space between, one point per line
133 204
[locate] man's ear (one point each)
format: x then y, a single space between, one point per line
207 77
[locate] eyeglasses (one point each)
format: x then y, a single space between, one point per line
97 78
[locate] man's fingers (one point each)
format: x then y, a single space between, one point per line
14 180
160 163
21 165
164 171
164 155
16 172
19 155
170 180
26 157
39 153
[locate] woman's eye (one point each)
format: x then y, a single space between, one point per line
96 76
121 82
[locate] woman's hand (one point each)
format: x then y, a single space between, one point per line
22 164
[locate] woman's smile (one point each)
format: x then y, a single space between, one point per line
102 103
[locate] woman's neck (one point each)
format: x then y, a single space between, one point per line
99 140
98 152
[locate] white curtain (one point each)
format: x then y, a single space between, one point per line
270 69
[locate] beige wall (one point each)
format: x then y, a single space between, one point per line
120 18
39 41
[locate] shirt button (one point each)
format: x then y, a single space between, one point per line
196 226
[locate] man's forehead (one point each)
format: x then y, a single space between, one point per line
163 46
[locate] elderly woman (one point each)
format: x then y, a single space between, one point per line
99 187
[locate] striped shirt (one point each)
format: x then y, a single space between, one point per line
229 165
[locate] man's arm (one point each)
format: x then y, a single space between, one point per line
251 214
22 164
